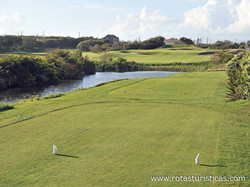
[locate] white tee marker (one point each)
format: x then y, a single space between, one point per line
54 149
197 159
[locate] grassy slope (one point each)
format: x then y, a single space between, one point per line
121 133
159 56
175 53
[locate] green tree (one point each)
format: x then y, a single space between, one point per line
66 64
187 41
9 43
31 44
153 43
88 66
88 44
25 71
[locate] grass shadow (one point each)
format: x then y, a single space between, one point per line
207 165
70 156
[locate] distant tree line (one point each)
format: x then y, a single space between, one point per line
98 45
223 45
11 43
30 71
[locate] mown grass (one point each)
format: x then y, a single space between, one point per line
124 132
172 54
183 58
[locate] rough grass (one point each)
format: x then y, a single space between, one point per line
124 132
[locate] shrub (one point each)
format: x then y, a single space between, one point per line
221 58
152 43
88 66
53 96
25 71
238 70
118 65
88 44
187 41
66 64
4 107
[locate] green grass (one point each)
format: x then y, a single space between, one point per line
38 54
124 132
188 54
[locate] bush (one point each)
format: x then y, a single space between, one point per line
153 43
225 45
67 65
87 45
25 71
187 41
118 65
238 71
88 66
53 96
4 107
221 58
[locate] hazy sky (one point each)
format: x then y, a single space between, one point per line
128 19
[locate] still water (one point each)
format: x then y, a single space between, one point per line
16 94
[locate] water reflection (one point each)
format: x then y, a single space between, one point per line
15 94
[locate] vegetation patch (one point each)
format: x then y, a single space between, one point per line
53 96
4 107
238 70
31 71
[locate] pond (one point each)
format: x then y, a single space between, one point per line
16 94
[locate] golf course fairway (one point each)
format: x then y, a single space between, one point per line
125 132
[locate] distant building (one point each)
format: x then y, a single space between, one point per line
172 41
111 39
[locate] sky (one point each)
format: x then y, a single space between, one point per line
130 20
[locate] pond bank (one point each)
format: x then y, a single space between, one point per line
16 94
